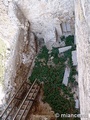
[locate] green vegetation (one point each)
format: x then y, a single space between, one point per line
59 97
69 40
2 58
62 38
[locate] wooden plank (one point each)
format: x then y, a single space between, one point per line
12 100
24 100
10 111
28 103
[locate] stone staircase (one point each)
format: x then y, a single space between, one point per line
22 102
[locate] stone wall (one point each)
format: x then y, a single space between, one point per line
8 33
21 52
46 17
82 25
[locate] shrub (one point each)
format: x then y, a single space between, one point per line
52 78
54 52
69 40
56 60
43 54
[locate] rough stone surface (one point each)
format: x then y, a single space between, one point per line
82 10
47 17
66 76
20 41
74 58
61 50
8 33
77 104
